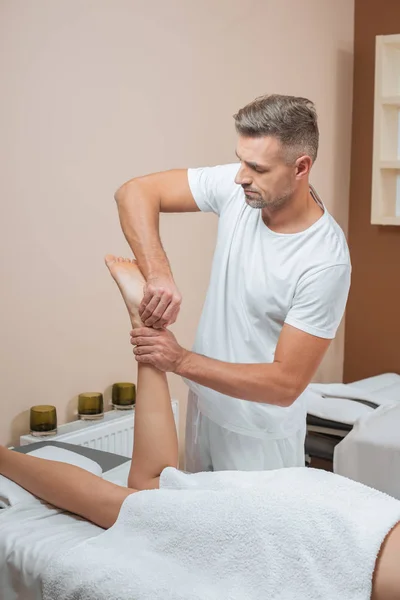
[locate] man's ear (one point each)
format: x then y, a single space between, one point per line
303 166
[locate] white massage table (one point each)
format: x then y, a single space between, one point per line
333 410
31 532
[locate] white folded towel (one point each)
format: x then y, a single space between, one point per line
11 493
290 534
343 403
338 410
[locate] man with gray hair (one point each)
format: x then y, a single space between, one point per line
278 288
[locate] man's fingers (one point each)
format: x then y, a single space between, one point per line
148 295
169 314
174 314
142 350
146 358
159 311
158 325
161 324
150 359
169 317
144 341
144 332
151 306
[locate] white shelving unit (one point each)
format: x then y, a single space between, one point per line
385 202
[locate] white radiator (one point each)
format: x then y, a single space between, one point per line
113 433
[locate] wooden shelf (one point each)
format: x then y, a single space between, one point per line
390 164
391 100
386 221
385 200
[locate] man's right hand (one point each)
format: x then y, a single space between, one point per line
140 202
161 302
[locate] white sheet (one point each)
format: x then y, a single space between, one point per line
289 534
336 401
32 533
370 453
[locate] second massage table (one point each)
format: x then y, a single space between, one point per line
333 409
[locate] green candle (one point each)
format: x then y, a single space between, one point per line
123 395
43 420
90 406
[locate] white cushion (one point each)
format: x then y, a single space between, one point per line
67 456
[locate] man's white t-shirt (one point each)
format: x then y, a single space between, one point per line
259 281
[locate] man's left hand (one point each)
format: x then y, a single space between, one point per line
157 347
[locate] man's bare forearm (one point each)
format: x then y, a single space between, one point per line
139 214
267 383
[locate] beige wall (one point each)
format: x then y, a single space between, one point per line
97 91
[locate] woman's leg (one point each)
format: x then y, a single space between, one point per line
155 440
386 580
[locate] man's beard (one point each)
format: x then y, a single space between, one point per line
257 201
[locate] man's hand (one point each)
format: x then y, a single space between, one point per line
161 302
158 348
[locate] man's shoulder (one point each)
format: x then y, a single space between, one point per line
327 244
221 172
214 187
219 167
336 241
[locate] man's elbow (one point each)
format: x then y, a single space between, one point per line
290 393
122 192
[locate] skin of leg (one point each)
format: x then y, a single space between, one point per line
155 441
386 580
155 438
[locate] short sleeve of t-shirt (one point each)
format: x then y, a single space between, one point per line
213 187
320 300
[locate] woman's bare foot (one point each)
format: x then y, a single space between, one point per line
130 282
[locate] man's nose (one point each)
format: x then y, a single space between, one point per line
243 176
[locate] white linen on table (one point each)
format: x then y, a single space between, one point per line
32 533
370 453
338 401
